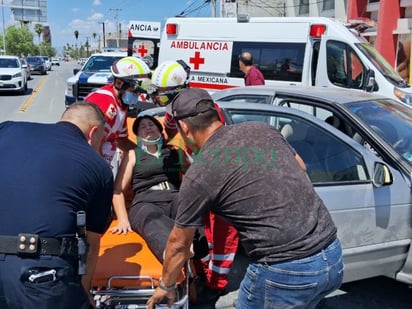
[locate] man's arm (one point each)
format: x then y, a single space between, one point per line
176 254
300 162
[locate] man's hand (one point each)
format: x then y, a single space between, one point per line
159 296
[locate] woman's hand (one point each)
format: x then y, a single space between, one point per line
122 227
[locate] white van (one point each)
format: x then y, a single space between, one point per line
289 50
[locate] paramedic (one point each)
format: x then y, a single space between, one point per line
289 236
252 74
154 170
168 79
50 172
130 76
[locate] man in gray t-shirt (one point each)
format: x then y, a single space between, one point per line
248 175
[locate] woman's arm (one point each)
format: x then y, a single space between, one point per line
122 183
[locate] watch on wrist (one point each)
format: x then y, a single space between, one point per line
166 287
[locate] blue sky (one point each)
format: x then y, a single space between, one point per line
66 16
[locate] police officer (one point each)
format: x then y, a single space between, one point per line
52 174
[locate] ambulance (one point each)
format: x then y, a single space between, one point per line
143 39
309 51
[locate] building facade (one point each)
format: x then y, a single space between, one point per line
32 12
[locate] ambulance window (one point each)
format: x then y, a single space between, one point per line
146 49
344 67
277 61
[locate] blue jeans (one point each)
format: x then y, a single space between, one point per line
293 284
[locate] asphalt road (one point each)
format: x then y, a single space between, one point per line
44 102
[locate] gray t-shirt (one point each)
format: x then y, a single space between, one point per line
247 174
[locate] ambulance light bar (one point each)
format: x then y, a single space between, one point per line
317 30
171 29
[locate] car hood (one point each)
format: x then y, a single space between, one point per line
9 71
94 77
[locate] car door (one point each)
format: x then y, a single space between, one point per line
373 221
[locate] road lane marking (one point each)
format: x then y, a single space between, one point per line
26 104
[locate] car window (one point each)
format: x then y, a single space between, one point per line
9 63
328 158
250 98
100 63
277 61
344 67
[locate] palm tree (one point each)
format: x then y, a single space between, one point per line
38 28
76 35
94 37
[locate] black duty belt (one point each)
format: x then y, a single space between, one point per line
31 245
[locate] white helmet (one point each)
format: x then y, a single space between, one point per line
132 70
167 80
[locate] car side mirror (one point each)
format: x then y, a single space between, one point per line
75 71
24 66
382 175
370 81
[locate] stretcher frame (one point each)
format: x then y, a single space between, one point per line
127 274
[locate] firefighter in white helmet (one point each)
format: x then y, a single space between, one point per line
130 77
167 80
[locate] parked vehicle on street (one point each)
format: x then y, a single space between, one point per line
307 51
13 75
93 74
358 151
55 61
37 64
48 62
26 66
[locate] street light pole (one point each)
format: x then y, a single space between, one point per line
4 30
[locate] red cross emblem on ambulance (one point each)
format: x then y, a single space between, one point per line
197 60
142 50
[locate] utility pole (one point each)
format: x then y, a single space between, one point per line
117 25
213 8
104 35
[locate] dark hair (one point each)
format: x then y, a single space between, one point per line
246 60
136 123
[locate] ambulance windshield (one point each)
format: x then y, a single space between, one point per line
381 64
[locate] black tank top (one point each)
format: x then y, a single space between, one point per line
150 171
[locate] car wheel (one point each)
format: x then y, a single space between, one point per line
24 89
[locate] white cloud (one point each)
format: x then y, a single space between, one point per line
97 2
95 17
75 10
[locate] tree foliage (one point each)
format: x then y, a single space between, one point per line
19 42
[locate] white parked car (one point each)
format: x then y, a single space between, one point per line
48 62
13 76
55 61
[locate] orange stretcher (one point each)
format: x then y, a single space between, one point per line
127 273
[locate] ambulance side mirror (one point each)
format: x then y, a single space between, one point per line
370 81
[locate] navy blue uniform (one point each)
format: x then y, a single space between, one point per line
48 173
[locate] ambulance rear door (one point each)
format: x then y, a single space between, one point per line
144 41
204 45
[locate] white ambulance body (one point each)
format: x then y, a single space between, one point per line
288 50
